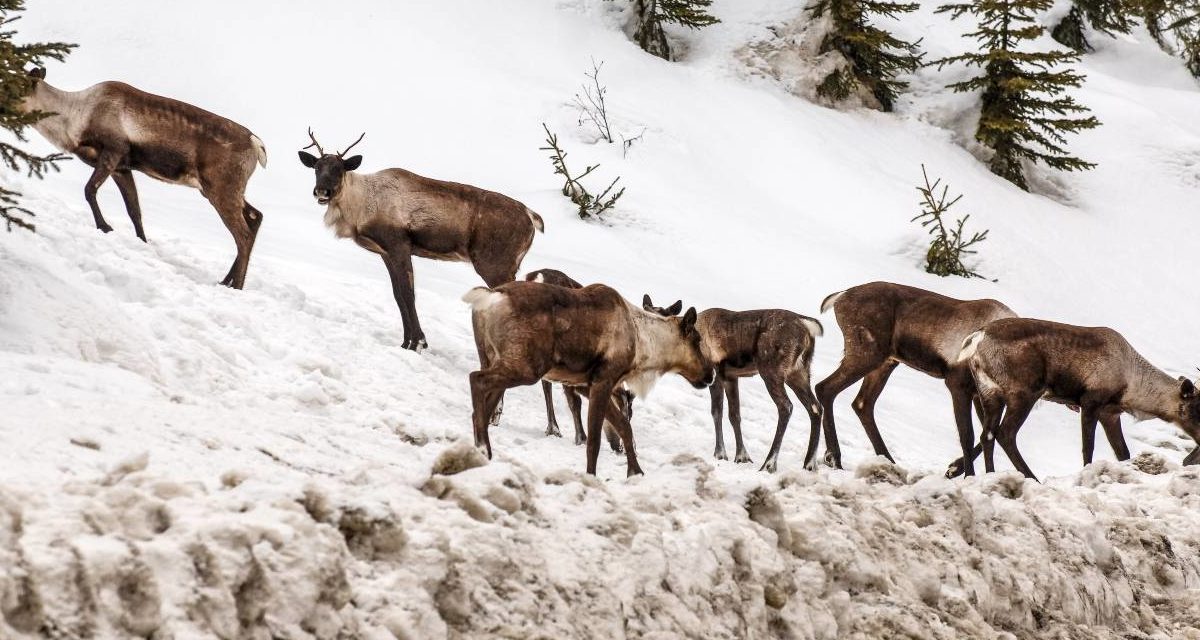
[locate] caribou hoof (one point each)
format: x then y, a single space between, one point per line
415 344
720 454
769 466
580 440
104 227
616 447
954 470
742 456
810 465
552 430
832 460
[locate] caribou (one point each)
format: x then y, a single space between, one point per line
774 343
623 397
589 337
885 324
398 214
117 129
1017 361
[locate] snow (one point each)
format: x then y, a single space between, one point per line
190 461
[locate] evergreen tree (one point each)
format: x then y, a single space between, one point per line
1025 113
1175 26
1186 28
1109 17
1154 14
15 84
652 15
874 57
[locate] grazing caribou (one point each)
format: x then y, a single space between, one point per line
117 129
399 214
885 324
1017 361
773 343
589 337
623 397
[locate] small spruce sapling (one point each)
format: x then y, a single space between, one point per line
949 243
590 206
15 84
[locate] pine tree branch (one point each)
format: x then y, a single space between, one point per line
15 84
589 206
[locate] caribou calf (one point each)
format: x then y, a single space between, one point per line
117 129
885 324
773 343
1017 361
589 337
623 397
399 214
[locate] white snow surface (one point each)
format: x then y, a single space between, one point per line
186 461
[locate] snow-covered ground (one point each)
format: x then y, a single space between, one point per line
183 460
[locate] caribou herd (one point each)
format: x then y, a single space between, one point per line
550 329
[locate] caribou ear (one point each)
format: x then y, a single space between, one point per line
351 163
308 159
38 72
688 324
1187 390
647 304
674 309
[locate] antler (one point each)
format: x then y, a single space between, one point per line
343 152
314 142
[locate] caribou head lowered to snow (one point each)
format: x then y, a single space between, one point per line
1018 361
776 344
623 397
117 129
589 337
399 214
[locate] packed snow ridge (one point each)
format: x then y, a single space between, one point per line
498 550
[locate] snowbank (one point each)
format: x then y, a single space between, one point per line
501 551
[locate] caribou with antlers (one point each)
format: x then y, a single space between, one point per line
398 214
117 129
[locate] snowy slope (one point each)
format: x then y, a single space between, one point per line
194 459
